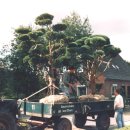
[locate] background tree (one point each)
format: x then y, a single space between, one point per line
7 90
76 26
25 79
76 29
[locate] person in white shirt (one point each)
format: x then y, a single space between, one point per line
119 106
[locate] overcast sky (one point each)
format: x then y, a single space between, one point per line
107 17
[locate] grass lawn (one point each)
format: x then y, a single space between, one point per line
124 128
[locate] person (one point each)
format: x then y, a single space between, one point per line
118 106
122 93
70 82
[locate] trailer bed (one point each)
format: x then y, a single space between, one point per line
49 110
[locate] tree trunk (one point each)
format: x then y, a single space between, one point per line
92 86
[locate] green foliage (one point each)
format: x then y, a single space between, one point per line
68 39
35 50
45 16
107 40
44 22
6 81
23 30
84 49
44 19
35 34
98 53
59 27
38 49
111 51
114 52
24 37
51 35
26 59
51 47
76 27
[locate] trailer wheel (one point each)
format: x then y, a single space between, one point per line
63 124
103 122
7 122
79 120
56 119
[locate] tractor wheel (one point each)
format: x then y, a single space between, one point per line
7 122
103 122
63 124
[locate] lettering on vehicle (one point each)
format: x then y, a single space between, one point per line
66 109
67 106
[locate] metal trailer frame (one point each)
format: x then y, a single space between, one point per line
45 115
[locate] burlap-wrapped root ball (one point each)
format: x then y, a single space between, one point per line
91 97
85 97
99 97
53 99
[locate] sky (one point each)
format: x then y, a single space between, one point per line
107 17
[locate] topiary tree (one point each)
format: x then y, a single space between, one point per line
95 54
41 48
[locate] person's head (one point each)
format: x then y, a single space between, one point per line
117 92
71 69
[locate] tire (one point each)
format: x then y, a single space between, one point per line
79 120
63 124
7 122
103 122
56 119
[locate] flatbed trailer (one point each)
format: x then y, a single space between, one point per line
41 116
53 115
